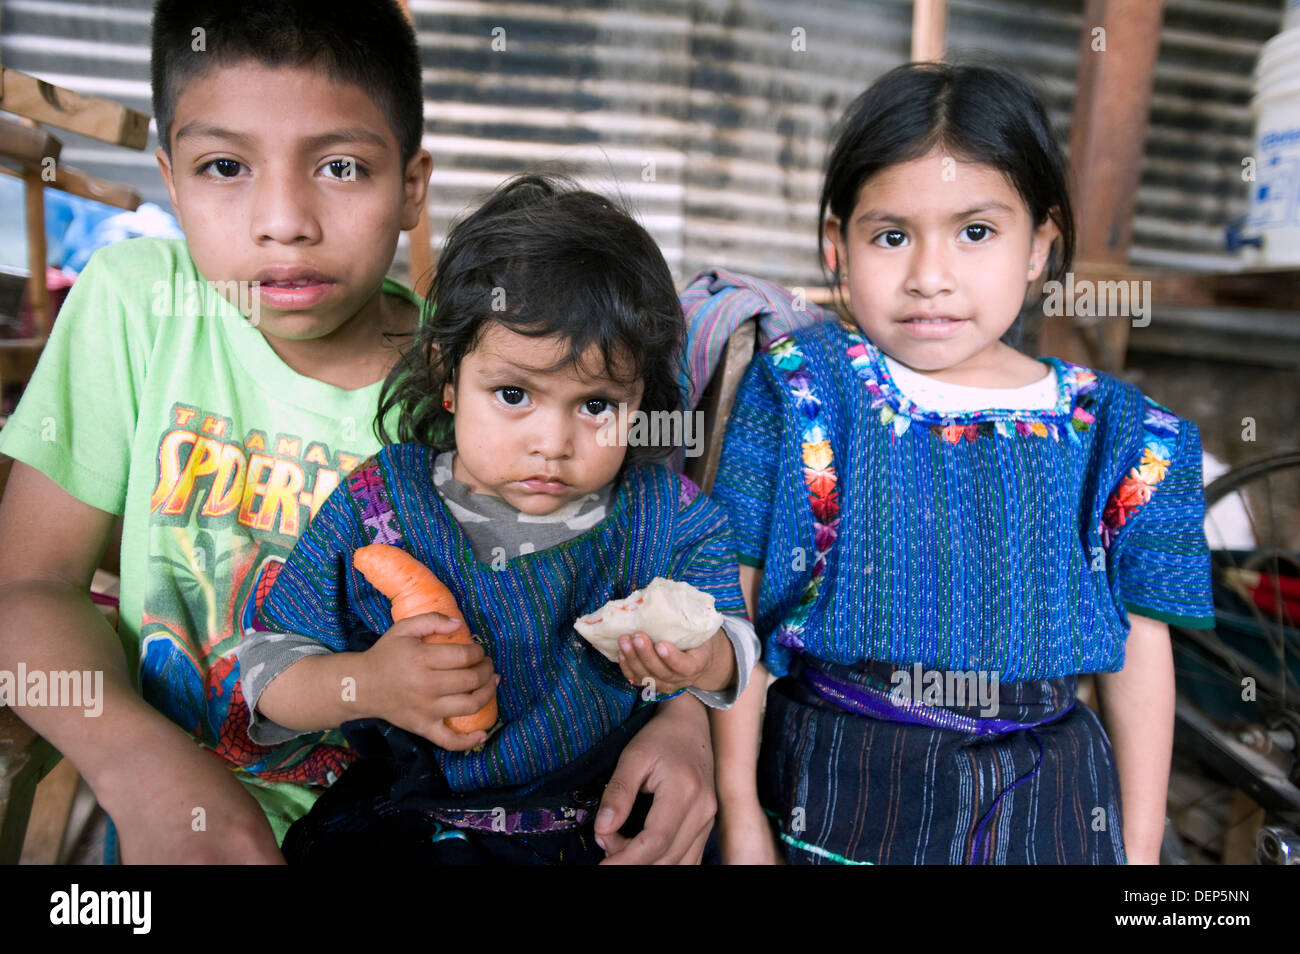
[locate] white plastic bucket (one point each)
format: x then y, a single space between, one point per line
1275 195
1291 15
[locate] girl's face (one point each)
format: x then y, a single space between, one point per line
939 254
529 435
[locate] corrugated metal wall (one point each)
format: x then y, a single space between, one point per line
711 116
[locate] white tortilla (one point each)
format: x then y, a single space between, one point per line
667 611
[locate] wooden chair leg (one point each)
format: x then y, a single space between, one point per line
25 758
48 823
1244 822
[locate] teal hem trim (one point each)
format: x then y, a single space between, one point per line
1187 622
820 852
750 561
642 702
814 849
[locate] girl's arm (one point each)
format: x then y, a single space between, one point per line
744 832
412 684
146 772
1137 707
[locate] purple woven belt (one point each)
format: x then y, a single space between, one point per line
864 700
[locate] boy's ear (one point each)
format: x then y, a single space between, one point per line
415 186
165 169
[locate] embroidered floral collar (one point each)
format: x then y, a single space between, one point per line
1070 417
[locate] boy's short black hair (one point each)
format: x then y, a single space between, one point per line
543 258
370 43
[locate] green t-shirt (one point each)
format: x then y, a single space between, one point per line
178 415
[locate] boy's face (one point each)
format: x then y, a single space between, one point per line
288 178
529 435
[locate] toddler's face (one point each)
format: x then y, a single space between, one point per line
286 177
939 254
527 434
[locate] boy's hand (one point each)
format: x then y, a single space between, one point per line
711 666
415 685
671 759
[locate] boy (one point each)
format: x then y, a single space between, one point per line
217 424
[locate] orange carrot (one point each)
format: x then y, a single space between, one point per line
414 590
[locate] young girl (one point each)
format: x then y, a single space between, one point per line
939 533
554 312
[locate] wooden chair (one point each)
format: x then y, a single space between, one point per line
716 401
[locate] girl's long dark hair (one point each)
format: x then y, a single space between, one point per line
977 113
542 258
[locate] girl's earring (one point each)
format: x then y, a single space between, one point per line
446 405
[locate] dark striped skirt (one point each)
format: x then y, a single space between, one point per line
845 783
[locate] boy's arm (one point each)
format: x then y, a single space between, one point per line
670 759
1137 706
146 772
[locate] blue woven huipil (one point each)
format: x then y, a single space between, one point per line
558 696
1008 541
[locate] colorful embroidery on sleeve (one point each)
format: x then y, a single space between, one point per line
1160 437
819 477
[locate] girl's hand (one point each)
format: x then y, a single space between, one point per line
746 837
710 666
415 685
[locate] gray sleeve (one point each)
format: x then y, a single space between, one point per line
744 642
262 657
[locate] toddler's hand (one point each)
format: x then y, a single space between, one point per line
711 666
415 685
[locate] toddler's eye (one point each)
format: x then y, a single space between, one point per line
515 397
597 406
224 168
891 239
344 170
977 233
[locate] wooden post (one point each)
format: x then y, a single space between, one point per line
38 293
420 238
929 26
1117 61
